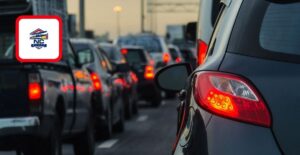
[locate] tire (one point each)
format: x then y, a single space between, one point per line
135 108
170 95
85 142
120 125
106 131
48 146
156 102
129 107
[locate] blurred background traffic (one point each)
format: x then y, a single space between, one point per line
102 97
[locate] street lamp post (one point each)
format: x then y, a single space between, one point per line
118 9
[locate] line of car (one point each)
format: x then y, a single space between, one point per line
243 97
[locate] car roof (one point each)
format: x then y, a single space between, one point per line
82 40
133 47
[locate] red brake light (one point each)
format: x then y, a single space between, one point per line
178 59
232 97
124 51
202 51
149 72
96 81
34 87
35 91
166 58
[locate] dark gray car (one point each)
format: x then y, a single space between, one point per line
244 98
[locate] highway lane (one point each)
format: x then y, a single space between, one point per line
151 132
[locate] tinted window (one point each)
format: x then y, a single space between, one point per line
136 57
84 52
149 43
280 30
268 29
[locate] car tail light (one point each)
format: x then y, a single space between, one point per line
34 87
96 81
124 51
202 51
166 58
178 60
149 72
232 97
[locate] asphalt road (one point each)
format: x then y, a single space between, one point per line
151 132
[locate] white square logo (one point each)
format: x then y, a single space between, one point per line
39 39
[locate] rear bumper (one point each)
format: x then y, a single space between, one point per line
18 126
18 132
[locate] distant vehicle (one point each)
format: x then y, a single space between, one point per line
244 98
208 14
175 53
143 66
130 95
42 104
153 44
189 56
108 105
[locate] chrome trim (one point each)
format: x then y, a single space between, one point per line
19 122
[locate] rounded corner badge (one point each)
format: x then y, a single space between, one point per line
39 39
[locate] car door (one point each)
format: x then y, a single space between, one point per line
83 89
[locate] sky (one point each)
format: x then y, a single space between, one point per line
101 18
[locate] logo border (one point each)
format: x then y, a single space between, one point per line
59 40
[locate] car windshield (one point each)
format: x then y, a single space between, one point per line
150 43
135 56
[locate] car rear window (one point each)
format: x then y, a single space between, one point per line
268 29
174 53
150 43
136 56
84 52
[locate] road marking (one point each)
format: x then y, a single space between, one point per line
163 103
108 144
142 118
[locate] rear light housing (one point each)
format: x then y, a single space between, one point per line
166 58
202 51
134 77
34 87
232 97
96 81
149 72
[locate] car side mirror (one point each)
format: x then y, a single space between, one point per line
173 78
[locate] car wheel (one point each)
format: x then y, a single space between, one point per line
135 108
128 107
120 125
156 102
106 132
85 142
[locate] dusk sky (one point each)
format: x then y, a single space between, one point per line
101 18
